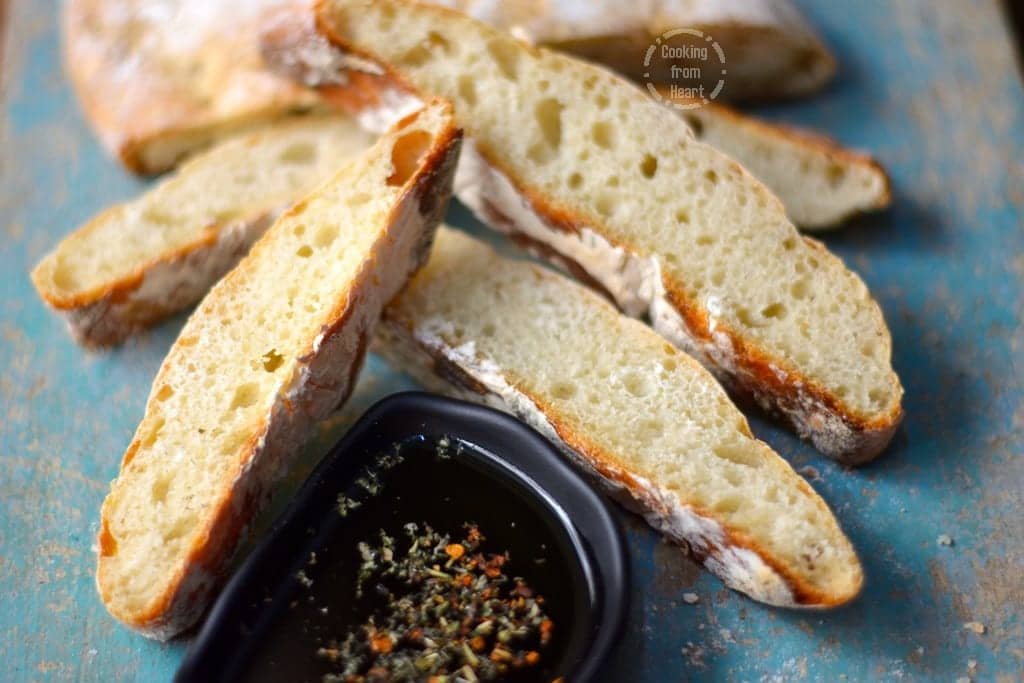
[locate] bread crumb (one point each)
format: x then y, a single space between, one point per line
975 626
810 473
972 664
691 598
944 539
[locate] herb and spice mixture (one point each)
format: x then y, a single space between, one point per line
448 612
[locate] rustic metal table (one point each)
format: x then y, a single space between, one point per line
930 87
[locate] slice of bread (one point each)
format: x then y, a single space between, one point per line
138 262
820 182
275 346
654 427
590 171
770 50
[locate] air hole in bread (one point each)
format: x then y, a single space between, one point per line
424 52
649 166
650 429
603 134
548 113
506 56
799 289
835 174
387 18
711 176
245 395
325 236
776 310
63 277
165 393
789 244
868 349
563 390
272 360
739 453
406 156
575 181
683 217
705 240
467 89
636 384
298 153
158 492
602 101
728 505
305 251
152 433
604 205
613 181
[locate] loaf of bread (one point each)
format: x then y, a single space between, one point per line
275 346
770 50
820 182
138 262
653 427
161 78
589 171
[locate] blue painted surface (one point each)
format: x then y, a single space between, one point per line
930 88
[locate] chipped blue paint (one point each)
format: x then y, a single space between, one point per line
931 88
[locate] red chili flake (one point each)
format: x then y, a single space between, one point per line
381 643
455 550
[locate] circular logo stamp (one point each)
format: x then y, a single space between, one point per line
684 68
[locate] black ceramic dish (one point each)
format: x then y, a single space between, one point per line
505 477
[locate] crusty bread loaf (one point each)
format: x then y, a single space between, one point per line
275 346
653 425
820 182
589 171
161 78
770 50
138 262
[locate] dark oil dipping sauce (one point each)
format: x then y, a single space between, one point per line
432 482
